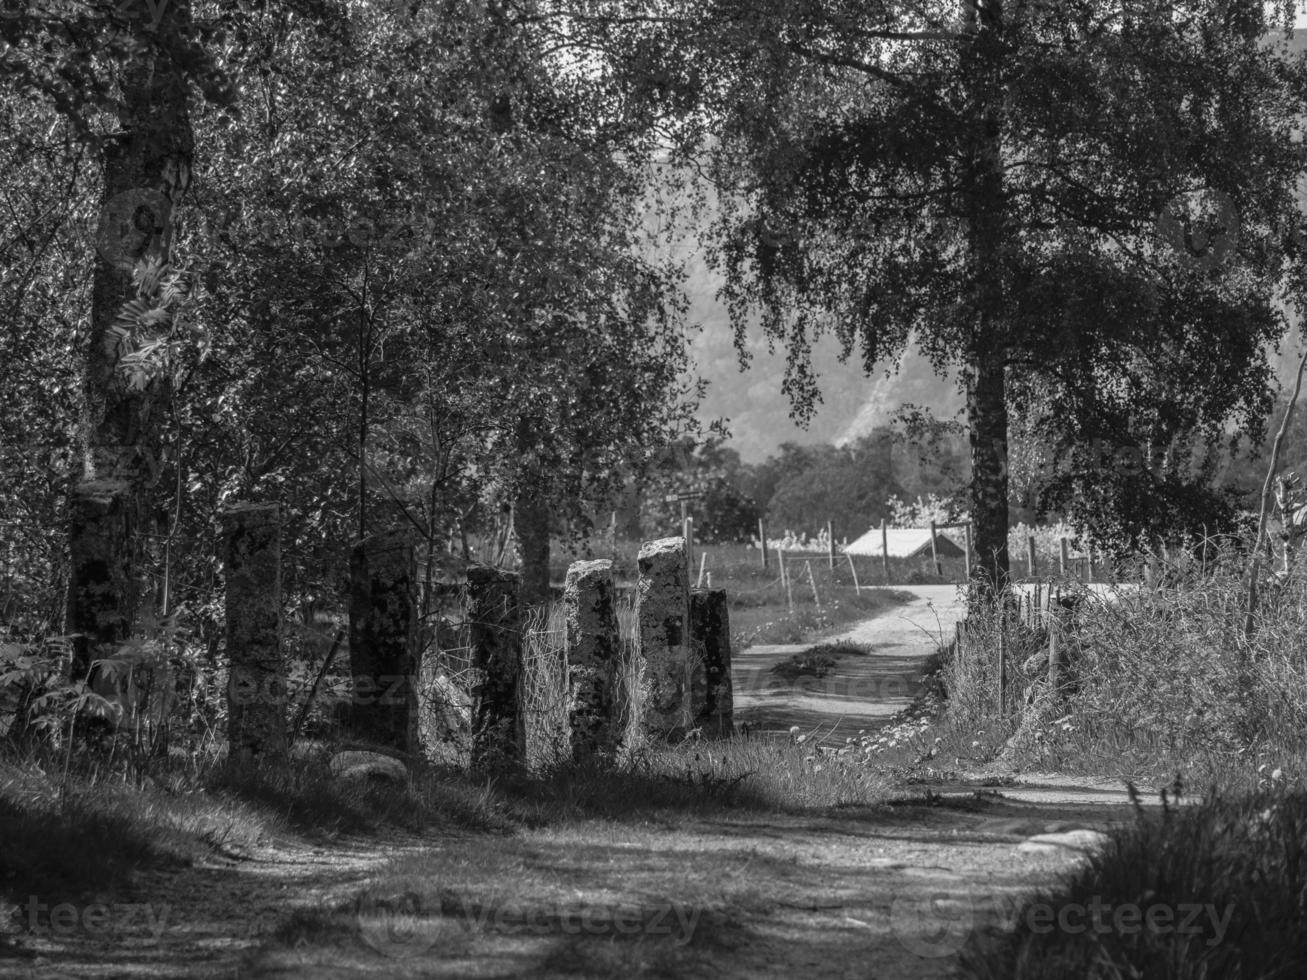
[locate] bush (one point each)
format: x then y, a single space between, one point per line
1227 874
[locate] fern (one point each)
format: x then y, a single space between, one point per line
147 329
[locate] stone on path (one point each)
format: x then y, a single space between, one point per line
1082 842
367 765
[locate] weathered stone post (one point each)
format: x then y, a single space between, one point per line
383 641
494 616
101 593
593 646
256 684
663 598
712 698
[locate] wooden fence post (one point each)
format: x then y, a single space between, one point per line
1032 566
1002 667
884 548
1062 557
687 532
830 534
762 539
966 545
934 551
854 571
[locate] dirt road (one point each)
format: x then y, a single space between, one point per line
861 692
890 892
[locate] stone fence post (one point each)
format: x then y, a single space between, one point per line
593 646
712 697
494 616
663 624
101 595
256 684
383 622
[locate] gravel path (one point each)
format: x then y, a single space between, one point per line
861 691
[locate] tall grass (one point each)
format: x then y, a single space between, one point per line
1213 890
1161 681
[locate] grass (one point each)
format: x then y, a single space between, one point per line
762 610
817 661
1160 682
65 840
1218 889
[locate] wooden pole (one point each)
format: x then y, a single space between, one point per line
1031 565
830 537
854 571
785 580
703 560
884 548
687 530
966 541
934 552
1002 669
317 683
762 539
1061 563
813 582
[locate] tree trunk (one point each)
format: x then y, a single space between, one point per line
987 415
987 347
146 171
531 527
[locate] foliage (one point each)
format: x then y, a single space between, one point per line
990 185
1208 856
709 476
920 512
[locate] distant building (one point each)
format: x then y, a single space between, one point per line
903 542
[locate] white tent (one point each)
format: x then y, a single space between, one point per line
903 542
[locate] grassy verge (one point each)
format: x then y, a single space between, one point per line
65 839
1211 890
764 616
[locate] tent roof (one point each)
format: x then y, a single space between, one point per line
903 542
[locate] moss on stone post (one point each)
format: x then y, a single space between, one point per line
383 641
494 617
593 645
710 627
663 599
256 684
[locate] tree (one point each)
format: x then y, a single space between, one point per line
987 178
424 276
712 478
847 486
